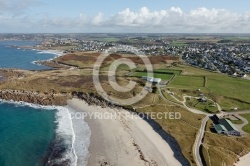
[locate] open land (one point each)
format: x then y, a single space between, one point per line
74 74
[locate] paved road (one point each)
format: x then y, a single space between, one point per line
198 141
183 105
240 126
238 112
200 134
164 98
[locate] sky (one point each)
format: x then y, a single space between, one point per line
124 16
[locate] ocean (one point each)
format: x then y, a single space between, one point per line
34 135
13 57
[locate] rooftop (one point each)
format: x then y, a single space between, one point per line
228 124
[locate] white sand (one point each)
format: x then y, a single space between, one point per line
123 141
244 160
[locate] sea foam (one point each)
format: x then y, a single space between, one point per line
73 135
53 52
82 139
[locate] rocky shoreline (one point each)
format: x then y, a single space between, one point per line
58 99
35 97
53 64
91 99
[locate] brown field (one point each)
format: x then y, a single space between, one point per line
87 59
216 148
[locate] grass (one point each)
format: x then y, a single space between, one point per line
108 39
169 97
237 38
187 81
247 127
172 71
203 106
236 121
156 75
224 150
230 87
183 130
228 104
176 93
219 148
178 44
205 154
227 91
190 70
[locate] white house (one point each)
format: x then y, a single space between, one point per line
152 79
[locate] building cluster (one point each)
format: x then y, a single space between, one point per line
159 49
93 45
227 58
232 59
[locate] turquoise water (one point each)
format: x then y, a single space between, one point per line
11 57
26 134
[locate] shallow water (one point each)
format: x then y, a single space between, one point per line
26 134
35 135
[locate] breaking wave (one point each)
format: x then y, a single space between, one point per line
72 138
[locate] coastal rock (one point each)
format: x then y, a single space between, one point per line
34 97
93 99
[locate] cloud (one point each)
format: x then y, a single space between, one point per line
170 20
98 19
175 20
16 8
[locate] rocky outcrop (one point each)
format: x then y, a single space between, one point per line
35 97
53 64
93 99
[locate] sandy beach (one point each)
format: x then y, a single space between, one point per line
123 140
244 160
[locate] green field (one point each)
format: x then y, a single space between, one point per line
236 121
169 97
156 75
227 91
229 104
237 38
190 70
247 127
187 81
203 106
230 87
173 71
108 39
178 44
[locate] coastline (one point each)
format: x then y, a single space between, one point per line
34 97
81 139
115 141
61 149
